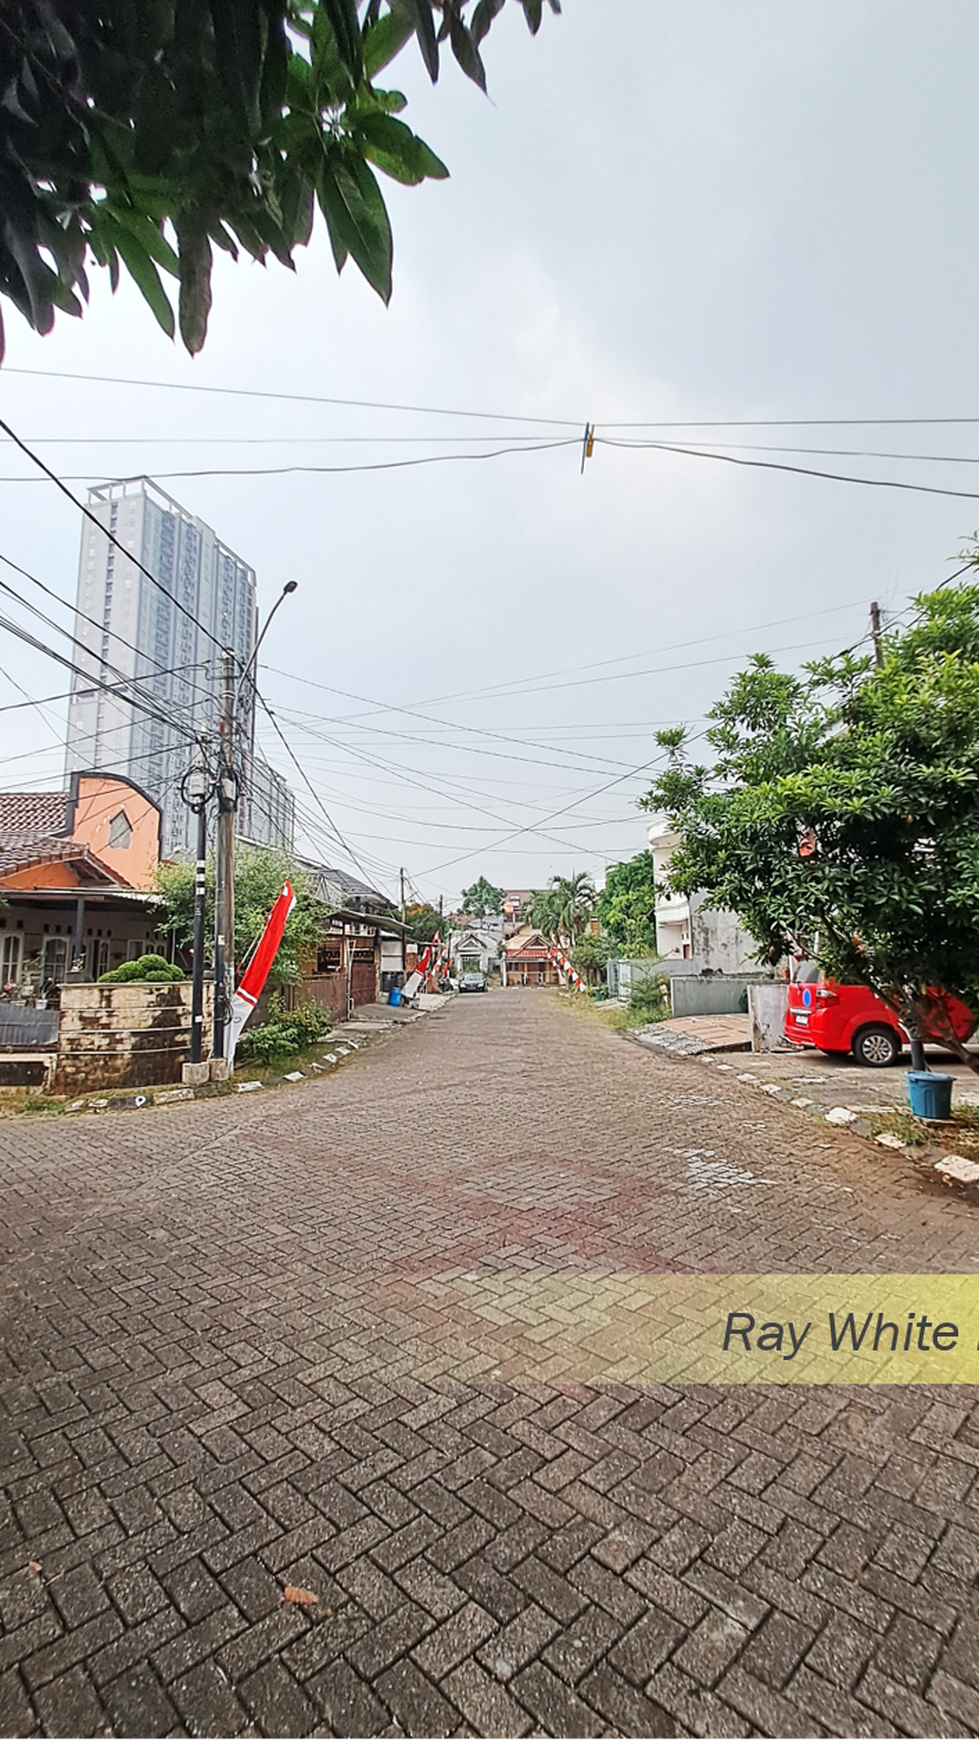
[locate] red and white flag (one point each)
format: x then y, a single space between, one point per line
257 971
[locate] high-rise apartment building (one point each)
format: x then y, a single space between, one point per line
157 633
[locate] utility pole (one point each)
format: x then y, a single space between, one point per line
195 791
875 633
402 875
224 876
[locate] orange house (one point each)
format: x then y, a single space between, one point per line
77 869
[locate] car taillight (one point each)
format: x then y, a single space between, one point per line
826 996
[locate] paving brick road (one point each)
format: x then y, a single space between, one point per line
257 1343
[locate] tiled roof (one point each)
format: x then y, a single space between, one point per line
32 812
18 851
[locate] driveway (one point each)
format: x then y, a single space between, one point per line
255 1344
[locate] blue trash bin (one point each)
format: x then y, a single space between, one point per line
394 997
930 1093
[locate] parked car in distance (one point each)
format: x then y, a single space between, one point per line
472 982
844 1018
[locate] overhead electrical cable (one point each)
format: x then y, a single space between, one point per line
316 470
29 639
796 470
510 691
577 423
402 775
89 515
307 782
104 665
300 398
100 627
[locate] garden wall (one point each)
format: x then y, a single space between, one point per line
120 1036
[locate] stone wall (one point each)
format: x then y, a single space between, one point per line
120 1036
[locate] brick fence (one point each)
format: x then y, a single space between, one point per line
117 1036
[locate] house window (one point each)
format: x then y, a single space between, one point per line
328 958
120 832
10 960
99 956
54 964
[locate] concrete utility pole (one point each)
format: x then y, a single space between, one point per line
196 790
402 875
224 874
875 633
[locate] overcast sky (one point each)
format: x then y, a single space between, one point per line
729 209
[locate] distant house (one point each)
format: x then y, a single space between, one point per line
686 930
475 949
527 960
517 903
77 870
360 954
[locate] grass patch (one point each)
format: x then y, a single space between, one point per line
38 1104
960 1132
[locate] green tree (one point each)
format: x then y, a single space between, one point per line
144 133
575 898
422 921
590 956
482 898
545 912
627 905
840 815
259 876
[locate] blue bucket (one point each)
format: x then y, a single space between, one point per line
930 1093
394 997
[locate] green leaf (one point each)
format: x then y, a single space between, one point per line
142 270
383 41
398 151
464 49
483 17
342 15
140 225
357 218
417 14
195 284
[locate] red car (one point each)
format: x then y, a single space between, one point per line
836 1017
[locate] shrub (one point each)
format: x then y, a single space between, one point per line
284 1033
650 1000
148 970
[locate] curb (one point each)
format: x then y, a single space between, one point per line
149 1098
932 1161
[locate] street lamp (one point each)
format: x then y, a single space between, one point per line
290 586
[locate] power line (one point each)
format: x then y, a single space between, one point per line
390 767
59 484
307 782
29 639
94 623
576 423
95 682
796 470
299 398
314 471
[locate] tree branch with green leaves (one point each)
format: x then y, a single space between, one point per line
839 816
143 134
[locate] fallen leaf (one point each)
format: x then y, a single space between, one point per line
299 1597
33 1566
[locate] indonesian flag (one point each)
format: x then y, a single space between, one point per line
257 971
426 957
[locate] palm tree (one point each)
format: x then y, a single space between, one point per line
575 898
545 912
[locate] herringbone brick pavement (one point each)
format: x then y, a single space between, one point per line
257 1344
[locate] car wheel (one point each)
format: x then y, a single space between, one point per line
877 1047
